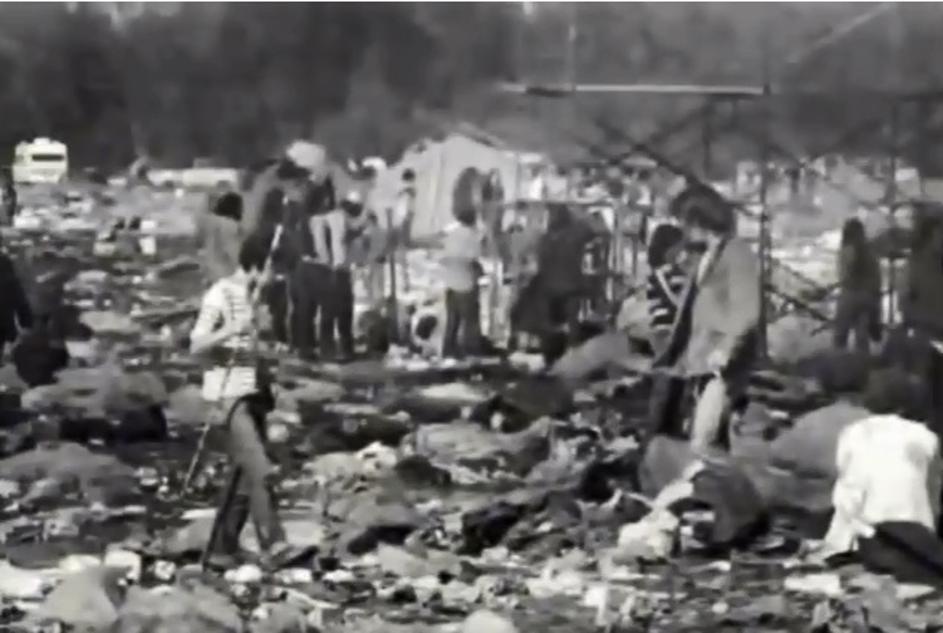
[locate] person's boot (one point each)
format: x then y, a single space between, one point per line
228 554
276 552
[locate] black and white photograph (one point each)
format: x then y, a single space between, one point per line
471 317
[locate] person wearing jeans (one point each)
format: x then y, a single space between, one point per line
461 251
224 333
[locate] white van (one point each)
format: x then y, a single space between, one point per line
42 160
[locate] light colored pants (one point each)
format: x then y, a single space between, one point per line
600 352
255 497
713 404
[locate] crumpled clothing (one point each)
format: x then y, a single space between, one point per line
888 470
739 510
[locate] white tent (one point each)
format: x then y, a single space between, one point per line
438 165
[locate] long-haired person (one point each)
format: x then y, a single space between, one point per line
859 299
719 317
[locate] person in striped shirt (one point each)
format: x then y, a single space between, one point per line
224 333
666 281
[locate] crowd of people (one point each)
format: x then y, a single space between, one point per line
290 241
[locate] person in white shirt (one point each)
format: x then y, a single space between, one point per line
224 332
401 232
461 268
332 233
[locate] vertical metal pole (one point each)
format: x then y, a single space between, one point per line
892 209
707 138
923 115
571 34
765 242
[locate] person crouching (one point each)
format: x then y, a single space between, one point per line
224 332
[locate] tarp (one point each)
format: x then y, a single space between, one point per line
439 166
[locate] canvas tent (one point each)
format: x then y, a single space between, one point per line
439 166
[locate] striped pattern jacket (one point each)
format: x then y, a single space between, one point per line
225 302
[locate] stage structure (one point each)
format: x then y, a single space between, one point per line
911 109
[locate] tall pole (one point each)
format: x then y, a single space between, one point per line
571 34
764 237
892 207
895 26
707 139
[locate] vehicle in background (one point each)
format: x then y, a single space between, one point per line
42 160
203 175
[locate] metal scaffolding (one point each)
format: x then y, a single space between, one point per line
717 96
710 116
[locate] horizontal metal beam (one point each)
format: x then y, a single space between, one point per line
721 91
563 89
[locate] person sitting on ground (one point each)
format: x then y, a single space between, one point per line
461 268
224 332
859 299
717 330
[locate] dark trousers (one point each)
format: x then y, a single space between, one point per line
254 497
276 297
934 386
859 318
564 309
310 288
666 408
462 323
338 314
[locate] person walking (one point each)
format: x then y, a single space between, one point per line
224 333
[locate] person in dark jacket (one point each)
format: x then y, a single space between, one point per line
560 267
9 202
859 299
16 314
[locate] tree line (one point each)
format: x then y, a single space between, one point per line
234 81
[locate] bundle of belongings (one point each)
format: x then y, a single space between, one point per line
885 517
105 402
